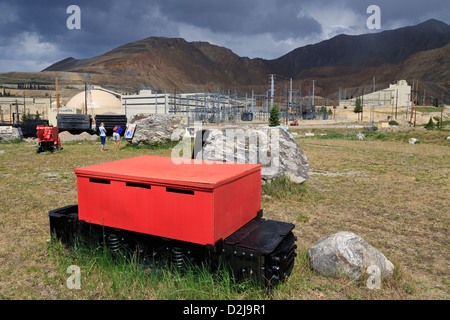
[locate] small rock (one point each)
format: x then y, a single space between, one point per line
346 254
412 140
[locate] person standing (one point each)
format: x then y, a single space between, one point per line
116 137
102 135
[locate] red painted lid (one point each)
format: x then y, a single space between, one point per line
170 171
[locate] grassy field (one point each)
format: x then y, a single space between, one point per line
393 194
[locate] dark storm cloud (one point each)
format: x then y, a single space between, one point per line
104 24
33 34
410 12
241 17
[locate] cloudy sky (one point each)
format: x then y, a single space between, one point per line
34 33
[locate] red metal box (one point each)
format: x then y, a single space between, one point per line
198 201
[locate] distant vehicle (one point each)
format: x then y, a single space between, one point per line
48 138
294 123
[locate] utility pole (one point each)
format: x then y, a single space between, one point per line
396 104
412 102
17 112
253 101
392 113
340 96
57 96
290 95
415 99
290 102
165 102
314 81
175 101
362 105
272 90
85 97
372 110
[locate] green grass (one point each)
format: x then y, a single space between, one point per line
391 193
436 136
284 188
428 109
116 277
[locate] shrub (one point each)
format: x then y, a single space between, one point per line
430 124
393 123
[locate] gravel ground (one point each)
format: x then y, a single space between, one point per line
67 136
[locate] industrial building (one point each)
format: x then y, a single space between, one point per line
209 107
398 94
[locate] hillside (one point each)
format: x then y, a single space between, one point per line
368 50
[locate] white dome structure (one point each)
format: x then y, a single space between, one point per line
100 102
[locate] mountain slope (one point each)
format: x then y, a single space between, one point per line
170 63
368 50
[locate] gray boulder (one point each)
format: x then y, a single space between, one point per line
275 148
158 129
8 137
346 254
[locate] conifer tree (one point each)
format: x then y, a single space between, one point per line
274 117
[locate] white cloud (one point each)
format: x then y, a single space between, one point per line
27 52
335 19
30 43
10 65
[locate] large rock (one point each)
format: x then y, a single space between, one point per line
8 137
275 148
158 129
346 254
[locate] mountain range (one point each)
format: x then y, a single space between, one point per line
420 52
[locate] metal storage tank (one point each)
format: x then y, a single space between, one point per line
99 102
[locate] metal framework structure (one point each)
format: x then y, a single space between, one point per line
221 106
